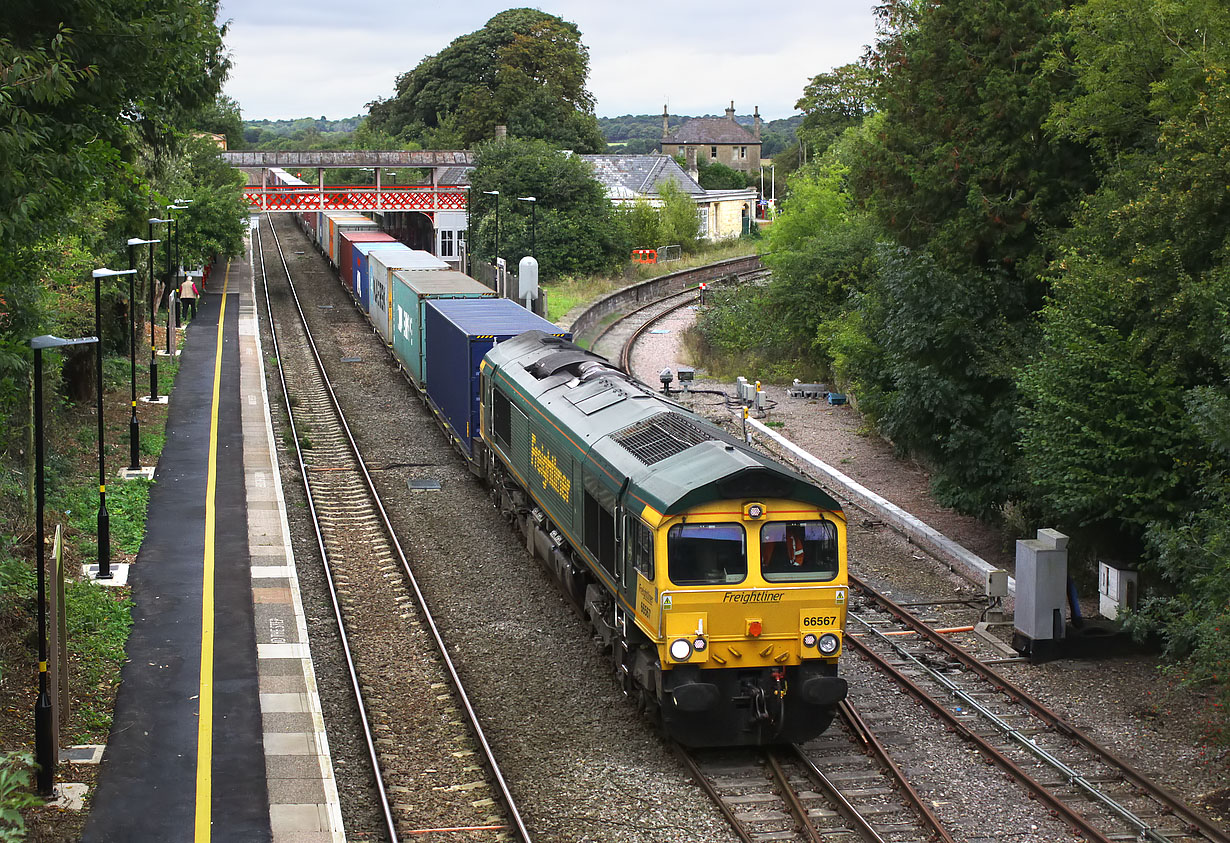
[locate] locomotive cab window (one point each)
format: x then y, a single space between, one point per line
640 545
706 554
794 551
501 417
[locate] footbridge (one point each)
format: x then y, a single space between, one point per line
446 192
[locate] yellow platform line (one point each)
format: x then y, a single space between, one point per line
205 727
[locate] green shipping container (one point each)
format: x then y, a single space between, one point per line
412 289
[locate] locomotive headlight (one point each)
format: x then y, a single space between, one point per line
809 640
829 643
681 649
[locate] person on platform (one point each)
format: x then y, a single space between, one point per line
187 300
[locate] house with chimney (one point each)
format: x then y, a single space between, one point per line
723 214
715 139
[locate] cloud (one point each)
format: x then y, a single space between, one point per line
314 57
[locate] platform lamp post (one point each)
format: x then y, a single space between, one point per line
134 433
153 347
496 194
533 223
104 519
44 737
172 286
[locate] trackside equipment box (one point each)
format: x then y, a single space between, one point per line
458 332
412 289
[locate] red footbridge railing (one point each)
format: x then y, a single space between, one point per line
296 199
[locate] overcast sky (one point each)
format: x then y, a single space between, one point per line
307 58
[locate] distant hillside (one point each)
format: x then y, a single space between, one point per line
639 133
259 134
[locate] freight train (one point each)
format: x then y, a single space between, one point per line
714 575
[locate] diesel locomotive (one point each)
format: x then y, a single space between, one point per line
715 575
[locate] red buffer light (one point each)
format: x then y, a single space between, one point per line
754 629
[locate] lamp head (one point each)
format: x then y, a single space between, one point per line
137 241
107 273
49 341
156 220
492 192
526 199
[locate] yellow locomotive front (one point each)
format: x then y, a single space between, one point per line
747 609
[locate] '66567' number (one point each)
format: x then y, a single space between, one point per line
825 620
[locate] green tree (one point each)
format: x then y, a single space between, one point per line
524 69
576 230
961 165
679 223
1125 408
831 103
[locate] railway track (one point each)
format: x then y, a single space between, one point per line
841 786
617 338
394 650
1101 796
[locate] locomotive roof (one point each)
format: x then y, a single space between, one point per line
674 459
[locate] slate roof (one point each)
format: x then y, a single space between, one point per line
711 130
629 176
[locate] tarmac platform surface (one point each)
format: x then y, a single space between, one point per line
217 732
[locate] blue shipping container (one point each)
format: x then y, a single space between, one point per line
458 333
362 277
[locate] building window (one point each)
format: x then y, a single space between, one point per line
703 215
713 152
743 152
446 244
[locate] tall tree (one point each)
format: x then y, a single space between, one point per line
831 103
961 165
524 69
575 231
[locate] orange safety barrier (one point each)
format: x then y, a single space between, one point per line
644 255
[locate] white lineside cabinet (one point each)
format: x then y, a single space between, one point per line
1117 589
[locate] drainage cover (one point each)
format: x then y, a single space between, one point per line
423 484
352 359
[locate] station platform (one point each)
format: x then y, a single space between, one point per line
217 732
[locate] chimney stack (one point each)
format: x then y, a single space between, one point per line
691 159
756 122
666 126
730 112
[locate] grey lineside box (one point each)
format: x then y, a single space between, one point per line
1041 592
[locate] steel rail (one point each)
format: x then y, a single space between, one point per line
625 353
429 620
624 317
1077 820
1170 801
860 729
800 812
707 786
368 736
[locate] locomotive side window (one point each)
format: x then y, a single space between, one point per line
600 533
706 554
793 551
501 417
640 544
